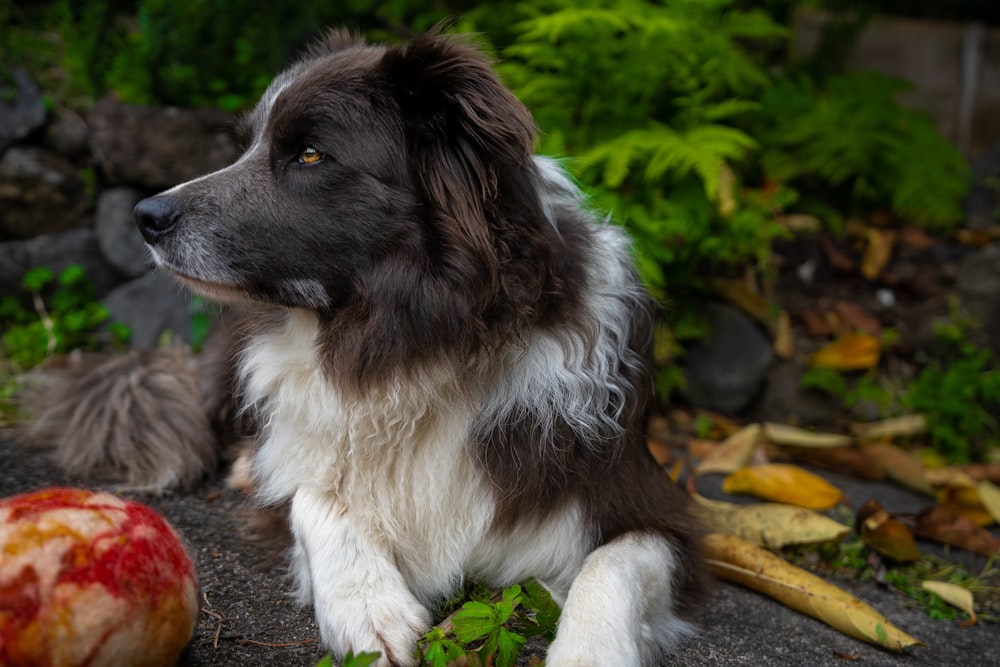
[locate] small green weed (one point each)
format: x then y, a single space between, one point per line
493 631
351 660
958 392
65 317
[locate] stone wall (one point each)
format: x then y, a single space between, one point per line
68 184
955 69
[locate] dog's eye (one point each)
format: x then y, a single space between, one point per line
309 155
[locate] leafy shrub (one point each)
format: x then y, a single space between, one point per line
852 134
66 317
959 394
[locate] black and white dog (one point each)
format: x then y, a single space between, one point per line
450 363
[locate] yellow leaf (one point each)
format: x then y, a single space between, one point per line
783 434
897 427
735 560
989 495
784 483
850 352
954 595
877 252
784 341
771 525
965 501
735 452
900 465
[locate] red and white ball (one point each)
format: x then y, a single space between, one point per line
91 579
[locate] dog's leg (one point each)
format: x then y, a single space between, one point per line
620 608
361 600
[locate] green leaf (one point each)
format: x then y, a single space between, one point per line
36 279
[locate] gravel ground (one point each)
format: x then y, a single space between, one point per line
247 618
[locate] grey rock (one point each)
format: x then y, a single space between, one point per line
157 148
67 134
117 234
983 201
24 112
56 252
978 282
40 193
726 371
149 306
784 400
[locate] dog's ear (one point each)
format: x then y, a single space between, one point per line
465 131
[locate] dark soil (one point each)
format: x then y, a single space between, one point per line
247 618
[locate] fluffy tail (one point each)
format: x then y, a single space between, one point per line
140 416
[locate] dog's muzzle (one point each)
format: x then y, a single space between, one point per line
156 217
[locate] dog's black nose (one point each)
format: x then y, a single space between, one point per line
156 216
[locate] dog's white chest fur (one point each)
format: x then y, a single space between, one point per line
397 461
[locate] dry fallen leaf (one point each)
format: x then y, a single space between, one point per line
954 595
857 318
989 495
735 452
889 537
847 460
736 560
783 434
784 483
878 251
850 352
771 525
784 341
964 500
896 427
660 451
946 527
899 464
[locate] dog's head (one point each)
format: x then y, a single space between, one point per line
392 190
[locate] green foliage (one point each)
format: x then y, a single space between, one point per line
65 317
957 391
494 631
959 396
659 152
214 54
351 660
850 132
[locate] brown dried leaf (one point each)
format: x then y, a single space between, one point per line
940 525
660 450
896 427
816 326
889 537
735 560
848 460
784 434
735 452
784 483
838 259
899 465
857 318
850 352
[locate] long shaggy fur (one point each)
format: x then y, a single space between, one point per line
450 360
141 414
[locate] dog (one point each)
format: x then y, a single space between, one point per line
449 360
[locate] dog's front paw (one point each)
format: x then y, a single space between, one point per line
389 623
